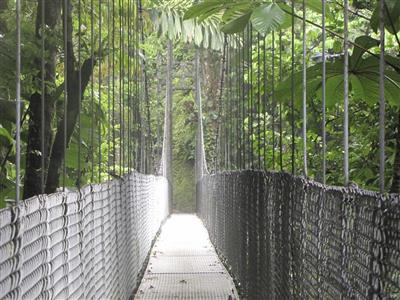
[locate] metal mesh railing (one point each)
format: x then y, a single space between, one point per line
87 244
286 237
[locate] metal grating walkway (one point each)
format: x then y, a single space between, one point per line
184 265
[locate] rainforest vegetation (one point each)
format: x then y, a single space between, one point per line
121 94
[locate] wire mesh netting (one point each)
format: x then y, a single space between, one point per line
86 244
286 237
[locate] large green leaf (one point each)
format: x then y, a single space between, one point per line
314 5
205 8
267 17
365 42
334 89
5 135
392 88
237 25
357 87
391 16
235 10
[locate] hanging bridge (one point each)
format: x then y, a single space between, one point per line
98 224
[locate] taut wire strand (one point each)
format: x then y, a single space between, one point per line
264 110
259 101
280 105
99 91
92 92
66 82
382 104
273 102
346 94
292 95
109 117
42 97
18 105
250 94
305 159
78 182
323 93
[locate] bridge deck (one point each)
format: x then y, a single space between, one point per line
184 265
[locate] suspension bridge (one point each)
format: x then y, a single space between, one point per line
98 223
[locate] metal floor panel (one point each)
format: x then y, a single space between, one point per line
184 265
214 286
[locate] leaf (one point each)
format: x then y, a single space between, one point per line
198 35
204 8
394 61
164 22
236 25
5 134
356 87
391 19
334 90
235 11
288 15
366 42
178 25
316 6
267 17
370 84
188 29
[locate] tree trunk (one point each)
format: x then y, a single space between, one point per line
396 166
33 171
57 152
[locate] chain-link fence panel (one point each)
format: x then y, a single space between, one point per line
286 237
86 244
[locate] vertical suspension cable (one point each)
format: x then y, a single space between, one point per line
109 118
113 90
273 96
140 102
238 107
265 106
220 109
228 116
129 19
78 182
121 89
280 104
99 91
18 104
66 3
382 103
250 95
259 101
92 92
292 94
137 96
305 169
346 93
148 141
42 98
137 102
244 148
323 92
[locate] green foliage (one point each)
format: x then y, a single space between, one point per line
391 16
265 16
269 17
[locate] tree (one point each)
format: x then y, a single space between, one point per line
53 162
